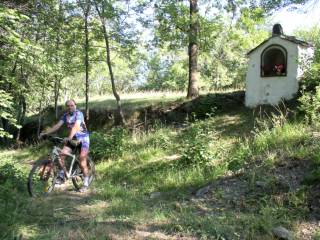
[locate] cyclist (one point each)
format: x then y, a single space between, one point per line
74 120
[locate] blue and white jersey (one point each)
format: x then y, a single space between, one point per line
71 118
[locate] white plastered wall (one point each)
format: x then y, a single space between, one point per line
270 90
305 58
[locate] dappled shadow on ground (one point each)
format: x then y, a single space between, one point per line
70 215
314 201
63 206
259 196
136 175
63 200
67 214
236 123
258 181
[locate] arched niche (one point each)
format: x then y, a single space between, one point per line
274 61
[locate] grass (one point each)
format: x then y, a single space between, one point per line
131 101
148 191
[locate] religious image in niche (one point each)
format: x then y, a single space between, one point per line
279 69
279 66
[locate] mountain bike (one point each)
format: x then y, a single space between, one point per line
44 173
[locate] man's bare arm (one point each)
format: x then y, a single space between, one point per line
54 128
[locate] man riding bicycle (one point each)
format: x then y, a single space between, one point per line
74 120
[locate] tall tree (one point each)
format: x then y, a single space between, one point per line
85 6
106 12
193 50
57 81
180 26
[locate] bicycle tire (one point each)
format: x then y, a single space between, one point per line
77 176
41 178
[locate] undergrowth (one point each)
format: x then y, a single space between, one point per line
150 179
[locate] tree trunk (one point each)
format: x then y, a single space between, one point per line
193 50
119 118
57 83
56 95
85 6
21 115
86 13
40 113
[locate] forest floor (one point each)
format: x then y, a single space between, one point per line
217 176
68 214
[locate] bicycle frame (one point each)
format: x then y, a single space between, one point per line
44 174
55 156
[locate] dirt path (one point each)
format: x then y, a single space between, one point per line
67 214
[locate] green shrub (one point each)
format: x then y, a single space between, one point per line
310 105
109 145
310 99
274 135
311 78
11 174
160 138
12 200
195 148
240 156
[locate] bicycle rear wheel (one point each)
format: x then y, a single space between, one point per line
41 178
77 175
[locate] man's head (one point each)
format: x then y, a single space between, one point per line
71 105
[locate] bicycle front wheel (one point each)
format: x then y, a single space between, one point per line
41 178
77 175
